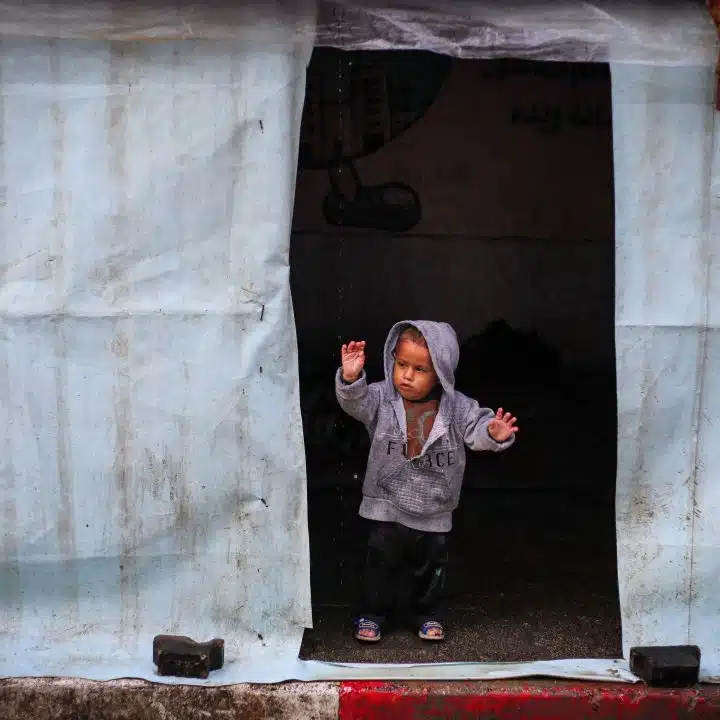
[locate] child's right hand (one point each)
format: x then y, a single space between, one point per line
353 360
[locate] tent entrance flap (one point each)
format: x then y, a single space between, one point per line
668 502
153 477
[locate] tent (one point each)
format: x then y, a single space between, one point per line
153 469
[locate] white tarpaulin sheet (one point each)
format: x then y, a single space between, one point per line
667 191
152 475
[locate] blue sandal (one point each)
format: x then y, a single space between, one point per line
430 625
370 627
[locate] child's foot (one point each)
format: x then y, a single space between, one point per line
432 630
367 630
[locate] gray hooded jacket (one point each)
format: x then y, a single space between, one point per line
419 492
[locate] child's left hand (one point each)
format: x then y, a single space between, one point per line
503 426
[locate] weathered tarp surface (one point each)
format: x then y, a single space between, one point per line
152 472
667 176
267 25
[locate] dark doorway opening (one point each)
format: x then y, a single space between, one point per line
477 193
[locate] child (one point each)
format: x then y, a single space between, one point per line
419 426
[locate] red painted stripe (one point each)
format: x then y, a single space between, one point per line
542 700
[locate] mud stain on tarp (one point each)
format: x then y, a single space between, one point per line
117 291
65 525
641 508
166 479
124 478
121 74
65 516
9 532
647 501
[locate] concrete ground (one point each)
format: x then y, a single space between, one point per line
68 699
533 576
73 699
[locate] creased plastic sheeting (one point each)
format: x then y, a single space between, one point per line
644 31
152 472
259 24
285 668
668 357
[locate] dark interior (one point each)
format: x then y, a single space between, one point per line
479 193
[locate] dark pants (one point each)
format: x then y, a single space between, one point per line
404 575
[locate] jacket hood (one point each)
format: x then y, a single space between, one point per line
442 343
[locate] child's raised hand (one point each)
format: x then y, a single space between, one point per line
502 427
353 360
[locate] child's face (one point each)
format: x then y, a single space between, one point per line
413 372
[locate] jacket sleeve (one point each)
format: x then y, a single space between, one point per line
476 433
359 400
